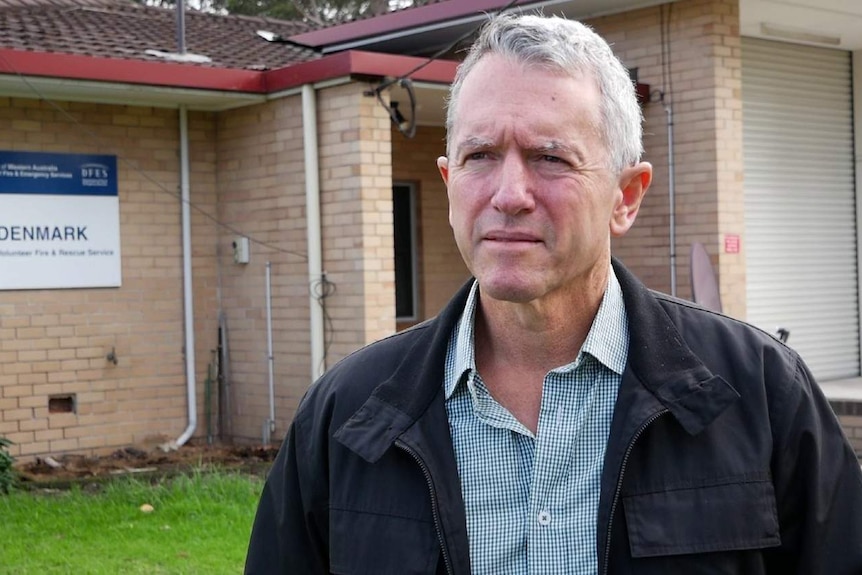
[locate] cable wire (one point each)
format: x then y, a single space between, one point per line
405 82
322 289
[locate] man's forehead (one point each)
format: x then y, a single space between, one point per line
471 133
580 73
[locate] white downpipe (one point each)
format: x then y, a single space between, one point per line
312 211
671 187
188 298
857 139
269 425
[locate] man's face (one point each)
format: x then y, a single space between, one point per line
532 200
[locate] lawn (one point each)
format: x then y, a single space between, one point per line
199 523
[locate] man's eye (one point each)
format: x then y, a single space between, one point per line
552 159
477 156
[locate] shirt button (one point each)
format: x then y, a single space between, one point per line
544 518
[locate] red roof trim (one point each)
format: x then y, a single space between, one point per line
359 63
82 67
401 20
173 75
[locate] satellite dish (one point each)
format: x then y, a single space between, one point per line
704 286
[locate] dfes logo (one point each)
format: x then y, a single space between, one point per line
94 171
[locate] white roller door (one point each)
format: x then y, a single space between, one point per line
800 206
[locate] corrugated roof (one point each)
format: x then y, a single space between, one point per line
124 29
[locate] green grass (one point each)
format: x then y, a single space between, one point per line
200 524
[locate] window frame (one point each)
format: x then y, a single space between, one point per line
410 190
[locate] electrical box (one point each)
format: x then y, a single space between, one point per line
241 253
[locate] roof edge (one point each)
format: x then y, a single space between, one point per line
84 67
359 63
402 20
174 75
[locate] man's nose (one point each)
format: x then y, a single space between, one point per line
514 187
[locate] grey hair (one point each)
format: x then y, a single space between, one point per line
572 48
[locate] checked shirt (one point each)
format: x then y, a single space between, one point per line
532 500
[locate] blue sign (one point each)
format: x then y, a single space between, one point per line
57 174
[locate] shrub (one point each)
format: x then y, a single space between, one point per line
7 472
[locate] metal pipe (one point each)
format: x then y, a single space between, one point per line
181 27
312 212
269 356
671 198
188 297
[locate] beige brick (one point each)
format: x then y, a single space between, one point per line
17 390
60 445
47 435
30 447
15 321
35 355
32 424
17 414
93 442
30 332
61 420
30 401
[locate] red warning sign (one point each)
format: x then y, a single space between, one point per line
731 243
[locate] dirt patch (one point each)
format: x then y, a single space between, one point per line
132 461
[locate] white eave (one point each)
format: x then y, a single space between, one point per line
61 89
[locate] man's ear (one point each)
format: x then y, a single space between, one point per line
443 166
633 183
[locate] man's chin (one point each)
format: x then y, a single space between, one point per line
508 290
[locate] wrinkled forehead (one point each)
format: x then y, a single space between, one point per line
499 88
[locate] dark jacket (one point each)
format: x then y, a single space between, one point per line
723 457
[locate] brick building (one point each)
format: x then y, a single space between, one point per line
284 144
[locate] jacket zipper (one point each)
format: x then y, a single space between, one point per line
619 486
434 507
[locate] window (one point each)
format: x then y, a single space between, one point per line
404 222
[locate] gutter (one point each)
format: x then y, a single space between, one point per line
92 75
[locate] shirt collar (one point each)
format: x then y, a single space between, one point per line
607 340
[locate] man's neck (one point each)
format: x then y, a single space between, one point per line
538 335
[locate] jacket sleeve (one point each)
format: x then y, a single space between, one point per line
287 536
818 484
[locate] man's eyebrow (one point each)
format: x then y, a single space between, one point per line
473 143
556 146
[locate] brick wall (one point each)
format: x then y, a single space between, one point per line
356 212
441 269
261 191
707 112
261 183
55 342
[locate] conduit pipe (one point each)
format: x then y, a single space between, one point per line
269 424
671 185
312 217
188 298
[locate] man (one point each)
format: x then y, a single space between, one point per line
558 417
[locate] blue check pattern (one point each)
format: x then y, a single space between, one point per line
532 500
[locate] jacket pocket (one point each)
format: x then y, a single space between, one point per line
374 543
728 516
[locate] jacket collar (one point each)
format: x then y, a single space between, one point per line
405 396
664 364
659 359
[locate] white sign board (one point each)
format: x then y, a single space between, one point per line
59 221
